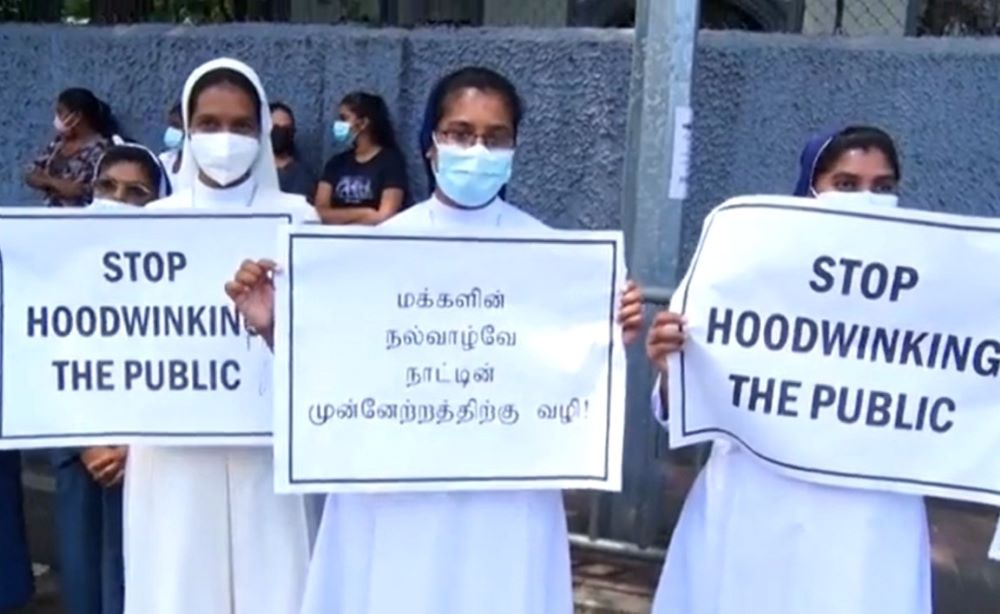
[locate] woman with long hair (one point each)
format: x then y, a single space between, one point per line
367 183
64 171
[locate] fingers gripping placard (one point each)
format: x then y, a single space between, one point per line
435 363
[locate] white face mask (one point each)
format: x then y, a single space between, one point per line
868 199
223 156
59 125
107 203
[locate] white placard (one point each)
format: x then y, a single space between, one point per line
448 363
116 328
844 345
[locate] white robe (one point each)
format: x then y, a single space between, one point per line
204 531
752 541
167 160
443 553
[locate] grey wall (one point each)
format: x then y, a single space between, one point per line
573 87
757 98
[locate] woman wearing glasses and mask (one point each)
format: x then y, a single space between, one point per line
443 552
89 480
129 175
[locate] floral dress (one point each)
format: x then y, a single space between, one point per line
80 167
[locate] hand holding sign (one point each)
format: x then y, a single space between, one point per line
252 291
665 337
630 312
105 464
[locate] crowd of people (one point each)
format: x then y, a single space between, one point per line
204 532
364 183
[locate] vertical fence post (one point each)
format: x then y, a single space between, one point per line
653 194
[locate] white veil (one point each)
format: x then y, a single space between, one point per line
264 171
164 189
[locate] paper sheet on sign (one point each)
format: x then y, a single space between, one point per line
116 328
446 363
884 378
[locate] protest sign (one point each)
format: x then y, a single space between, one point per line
857 347
116 328
448 362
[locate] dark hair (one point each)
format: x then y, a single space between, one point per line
373 108
94 111
175 110
865 138
477 78
137 155
470 77
226 76
280 106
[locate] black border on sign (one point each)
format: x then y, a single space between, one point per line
89 216
448 239
746 446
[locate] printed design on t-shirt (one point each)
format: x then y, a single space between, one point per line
354 189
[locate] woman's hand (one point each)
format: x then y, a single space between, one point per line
666 336
630 312
105 464
66 188
39 179
252 291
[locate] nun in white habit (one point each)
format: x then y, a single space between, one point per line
457 552
204 531
441 552
128 175
753 541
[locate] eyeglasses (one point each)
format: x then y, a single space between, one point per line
468 138
134 193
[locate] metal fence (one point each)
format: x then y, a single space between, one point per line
817 17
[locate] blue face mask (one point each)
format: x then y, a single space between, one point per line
342 134
472 176
173 138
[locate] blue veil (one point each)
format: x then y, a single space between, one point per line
810 156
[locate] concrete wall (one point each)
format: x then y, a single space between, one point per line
757 98
574 87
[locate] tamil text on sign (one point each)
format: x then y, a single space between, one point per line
442 363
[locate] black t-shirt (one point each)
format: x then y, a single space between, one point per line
296 178
360 184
